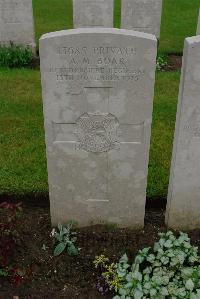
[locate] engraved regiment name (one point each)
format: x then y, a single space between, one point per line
96 63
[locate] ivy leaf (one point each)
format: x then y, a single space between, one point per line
151 258
138 294
124 259
164 291
153 292
187 272
168 244
137 275
189 285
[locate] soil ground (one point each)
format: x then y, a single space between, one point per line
74 277
174 64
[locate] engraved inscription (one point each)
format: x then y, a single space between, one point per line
98 73
100 63
97 133
194 129
193 126
106 50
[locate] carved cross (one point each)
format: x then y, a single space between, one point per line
97 130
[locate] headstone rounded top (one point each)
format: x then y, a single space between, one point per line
96 30
193 39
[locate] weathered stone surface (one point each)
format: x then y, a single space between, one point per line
183 211
98 87
16 23
198 25
93 13
142 15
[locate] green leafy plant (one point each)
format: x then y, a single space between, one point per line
3 273
15 56
171 269
65 239
161 62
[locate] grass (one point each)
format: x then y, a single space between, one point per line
179 20
52 15
22 150
164 117
15 56
22 157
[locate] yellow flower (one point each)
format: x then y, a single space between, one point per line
100 260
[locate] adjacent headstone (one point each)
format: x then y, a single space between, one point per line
16 23
198 25
142 15
93 13
98 87
183 211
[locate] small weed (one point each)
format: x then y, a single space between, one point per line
15 56
65 239
162 62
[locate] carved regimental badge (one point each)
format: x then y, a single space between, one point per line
97 133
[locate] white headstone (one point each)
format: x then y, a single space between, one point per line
93 13
16 23
142 15
183 211
98 87
198 25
